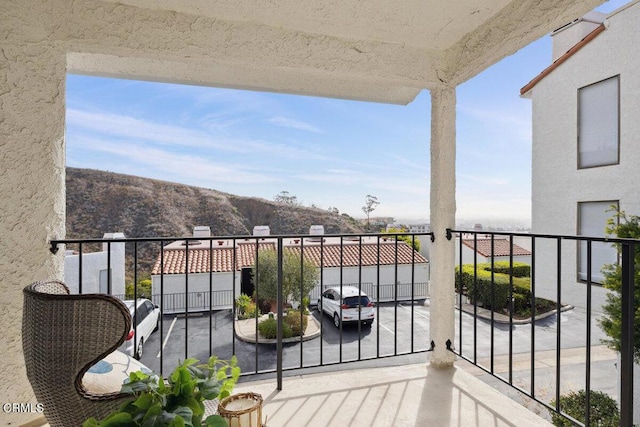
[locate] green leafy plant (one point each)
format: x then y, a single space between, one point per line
603 409
178 401
495 294
623 226
246 308
299 277
143 291
410 240
292 326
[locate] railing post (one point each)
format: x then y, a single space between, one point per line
279 318
627 336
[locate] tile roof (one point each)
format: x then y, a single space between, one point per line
500 246
200 261
365 254
203 260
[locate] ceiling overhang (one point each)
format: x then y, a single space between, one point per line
374 51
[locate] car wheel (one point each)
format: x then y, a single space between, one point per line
367 324
336 320
157 324
139 349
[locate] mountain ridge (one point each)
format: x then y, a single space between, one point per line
100 202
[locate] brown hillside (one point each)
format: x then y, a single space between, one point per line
100 202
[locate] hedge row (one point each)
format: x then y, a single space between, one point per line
495 295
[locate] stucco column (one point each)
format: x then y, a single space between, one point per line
443 215
32 184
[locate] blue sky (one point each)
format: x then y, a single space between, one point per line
327 152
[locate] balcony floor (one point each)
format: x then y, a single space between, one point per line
409 395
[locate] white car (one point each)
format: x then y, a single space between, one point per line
147 321
346 304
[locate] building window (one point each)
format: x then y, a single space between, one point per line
598 124
592 221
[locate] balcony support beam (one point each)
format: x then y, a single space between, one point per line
443 212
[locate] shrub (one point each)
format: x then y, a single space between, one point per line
291 326
625 226
494 294
246 308
143 291
293 320
520 269
268 328
604 409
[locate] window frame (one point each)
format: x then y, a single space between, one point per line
594 281
617 162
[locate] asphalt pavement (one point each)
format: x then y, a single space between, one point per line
400 330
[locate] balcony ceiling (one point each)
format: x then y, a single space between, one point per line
374 50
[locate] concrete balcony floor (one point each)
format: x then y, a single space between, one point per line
408 395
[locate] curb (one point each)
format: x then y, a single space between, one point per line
245 331
504 319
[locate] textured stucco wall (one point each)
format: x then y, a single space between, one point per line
443 216
32 77
557 184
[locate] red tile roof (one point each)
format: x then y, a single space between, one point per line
221 259
500 246
365 254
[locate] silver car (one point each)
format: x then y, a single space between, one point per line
147 318
346 304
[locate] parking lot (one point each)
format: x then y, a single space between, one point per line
391 333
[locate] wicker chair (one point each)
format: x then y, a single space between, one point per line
62 337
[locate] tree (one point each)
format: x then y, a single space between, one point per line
622 226
286 198
370 204
410 240
266 275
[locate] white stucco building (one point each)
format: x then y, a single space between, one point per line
95 269
213 273
585 144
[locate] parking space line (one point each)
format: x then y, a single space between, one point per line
382 326
164 344
415 312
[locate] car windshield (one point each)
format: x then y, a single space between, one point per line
354 301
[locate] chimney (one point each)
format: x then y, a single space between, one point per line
201 231
261 230
567 36
316 230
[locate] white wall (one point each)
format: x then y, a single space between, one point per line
93 263
174 288
368 277
222 285
557 184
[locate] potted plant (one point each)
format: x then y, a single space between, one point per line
177 401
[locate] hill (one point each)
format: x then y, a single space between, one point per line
99 202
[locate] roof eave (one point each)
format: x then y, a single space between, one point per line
525 92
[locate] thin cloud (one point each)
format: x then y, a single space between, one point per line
294 124
129 128
176 167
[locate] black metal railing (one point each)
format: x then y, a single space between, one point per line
533 359
200 315
196 281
